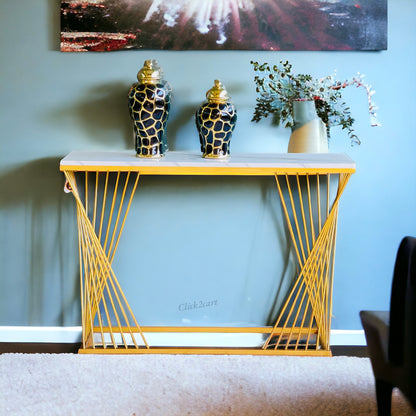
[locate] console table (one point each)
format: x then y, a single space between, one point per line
103 185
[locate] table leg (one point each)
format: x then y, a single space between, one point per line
103 203
304 321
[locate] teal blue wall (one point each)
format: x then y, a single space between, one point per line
53 102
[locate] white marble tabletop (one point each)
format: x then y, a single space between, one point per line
180 162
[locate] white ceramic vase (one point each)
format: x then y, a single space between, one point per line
309 131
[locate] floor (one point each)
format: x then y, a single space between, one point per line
58 348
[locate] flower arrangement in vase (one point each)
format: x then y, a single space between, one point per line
280 91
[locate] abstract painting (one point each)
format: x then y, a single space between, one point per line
107 25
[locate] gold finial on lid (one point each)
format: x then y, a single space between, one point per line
151 73
217 94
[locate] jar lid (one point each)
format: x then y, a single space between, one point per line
217 94
150 73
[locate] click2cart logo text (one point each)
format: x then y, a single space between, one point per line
197 304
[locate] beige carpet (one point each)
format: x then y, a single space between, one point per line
147 385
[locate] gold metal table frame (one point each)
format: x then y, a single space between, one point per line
109 181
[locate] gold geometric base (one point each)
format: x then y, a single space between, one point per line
303 323
208 351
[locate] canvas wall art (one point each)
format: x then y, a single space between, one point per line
107 25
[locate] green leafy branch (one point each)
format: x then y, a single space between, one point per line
277 87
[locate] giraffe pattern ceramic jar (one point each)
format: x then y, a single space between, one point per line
149 105
215 120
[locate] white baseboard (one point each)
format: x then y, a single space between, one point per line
47 334
348 337
33 334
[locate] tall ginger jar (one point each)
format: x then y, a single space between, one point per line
149 105
215 121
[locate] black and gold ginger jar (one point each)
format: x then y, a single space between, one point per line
215 121
149 105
